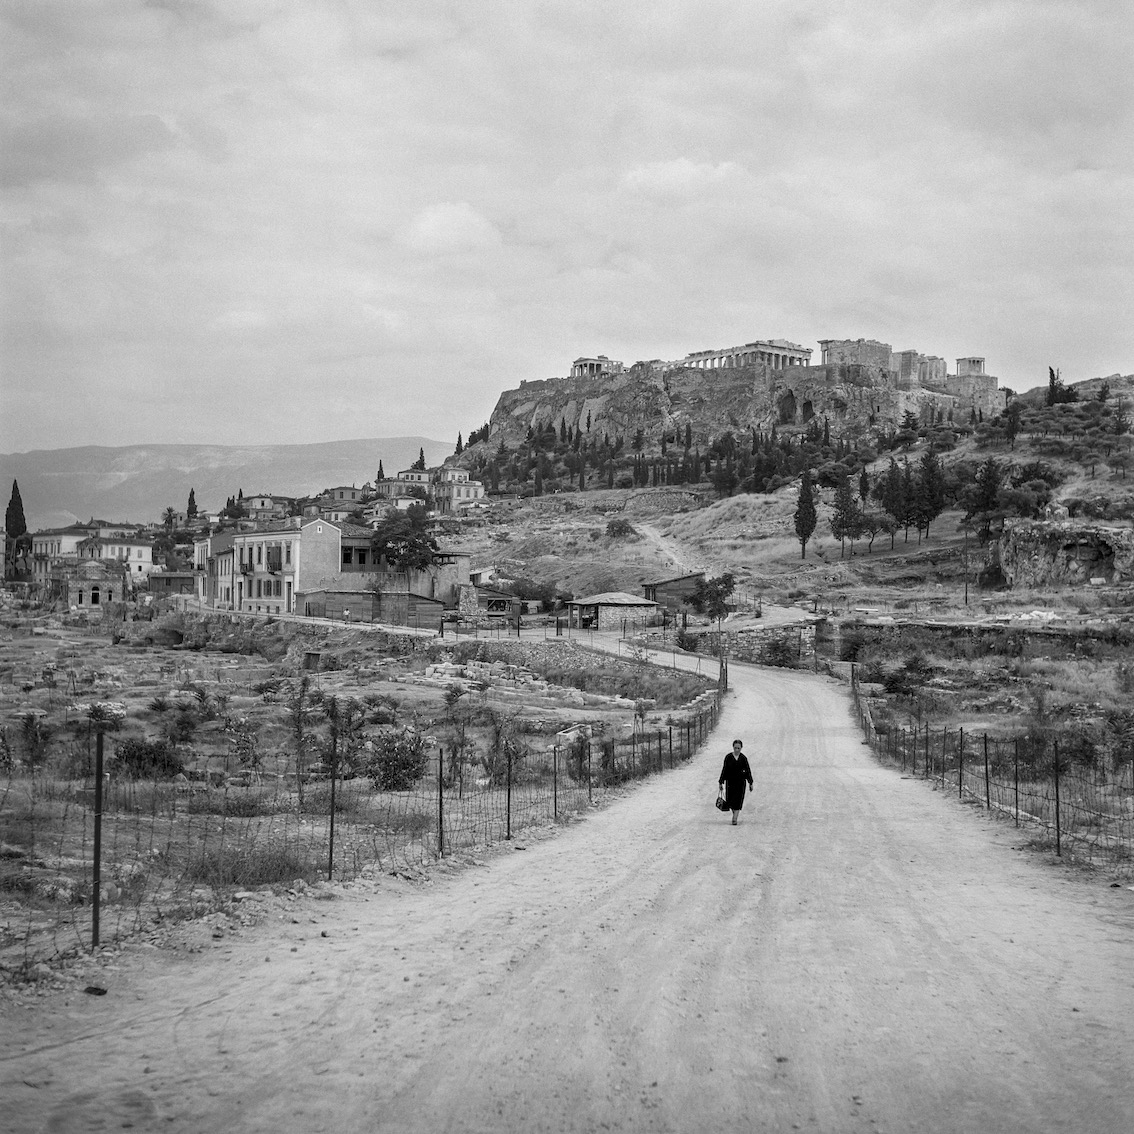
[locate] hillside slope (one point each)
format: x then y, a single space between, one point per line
138 482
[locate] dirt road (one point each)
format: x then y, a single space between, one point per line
860 953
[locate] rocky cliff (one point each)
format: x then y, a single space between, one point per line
855 400
1037 553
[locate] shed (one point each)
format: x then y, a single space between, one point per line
613 610
497 603
674 593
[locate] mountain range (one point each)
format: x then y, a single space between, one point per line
136 483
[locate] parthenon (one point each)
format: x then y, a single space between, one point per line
776 353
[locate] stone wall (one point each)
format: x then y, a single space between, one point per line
1038 553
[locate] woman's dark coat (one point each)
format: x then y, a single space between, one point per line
734 775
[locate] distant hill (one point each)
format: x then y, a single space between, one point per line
1119 385
138 482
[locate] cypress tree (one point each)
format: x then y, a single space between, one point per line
846 520
805 513
15 524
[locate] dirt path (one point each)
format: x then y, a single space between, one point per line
860 953
669 548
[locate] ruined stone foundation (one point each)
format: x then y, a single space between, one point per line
1036 553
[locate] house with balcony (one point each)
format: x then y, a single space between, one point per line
53 546
213 559
265 565
454 491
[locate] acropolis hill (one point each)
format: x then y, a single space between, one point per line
859 386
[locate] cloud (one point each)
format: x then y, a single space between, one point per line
238 201
450 226
679 179
61 148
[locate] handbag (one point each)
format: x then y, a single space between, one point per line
721 805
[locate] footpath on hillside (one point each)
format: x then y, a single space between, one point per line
859 953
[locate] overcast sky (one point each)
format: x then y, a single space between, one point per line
267 221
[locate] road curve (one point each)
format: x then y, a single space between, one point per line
859 953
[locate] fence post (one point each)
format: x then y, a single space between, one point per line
987 791
1058 827
96 879
1016 779
671 746
331 836
508 797
926 750
590 794
961 766
440 802
944 752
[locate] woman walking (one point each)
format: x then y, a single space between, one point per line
735 773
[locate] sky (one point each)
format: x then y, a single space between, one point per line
289 221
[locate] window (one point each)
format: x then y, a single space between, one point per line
259 588
287 552
94 596
279 587
362 557
259 553
348 556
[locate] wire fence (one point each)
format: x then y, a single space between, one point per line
1082 809
90 861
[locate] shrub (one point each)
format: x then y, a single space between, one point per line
779 651
620 529
236 803
159 704
398 760
249 866
317 801
148 760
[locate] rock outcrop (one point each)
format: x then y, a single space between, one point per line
855 399
1036 553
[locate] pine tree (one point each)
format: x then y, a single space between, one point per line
381 472
805 513
688 436
982 499
191 506
460 446
420 462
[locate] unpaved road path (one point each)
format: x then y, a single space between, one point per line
861 953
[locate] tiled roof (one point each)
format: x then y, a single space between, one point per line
614 598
